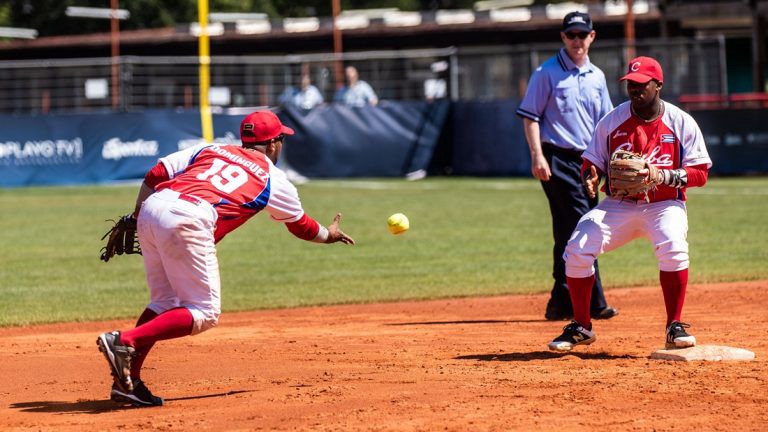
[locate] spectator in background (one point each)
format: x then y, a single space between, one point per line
308 96
286 97
437 87
566 97
357 92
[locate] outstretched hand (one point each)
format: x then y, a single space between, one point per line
591 181
337 235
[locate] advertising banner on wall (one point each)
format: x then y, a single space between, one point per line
87 148
330 141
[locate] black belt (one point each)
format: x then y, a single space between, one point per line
572 152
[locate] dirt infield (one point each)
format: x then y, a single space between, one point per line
458 365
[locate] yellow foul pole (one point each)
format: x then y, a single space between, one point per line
205 74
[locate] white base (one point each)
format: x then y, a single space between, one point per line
704 352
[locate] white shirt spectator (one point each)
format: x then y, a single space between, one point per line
308 97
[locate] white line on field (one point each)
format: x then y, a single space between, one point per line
725 191
499 185
393 185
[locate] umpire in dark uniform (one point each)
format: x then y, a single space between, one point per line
566 97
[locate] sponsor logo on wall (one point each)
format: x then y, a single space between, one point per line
42 152
228 138
116 149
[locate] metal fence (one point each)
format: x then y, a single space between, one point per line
478 73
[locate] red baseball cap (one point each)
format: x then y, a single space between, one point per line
642 70
262 126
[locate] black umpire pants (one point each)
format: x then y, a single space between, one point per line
568 202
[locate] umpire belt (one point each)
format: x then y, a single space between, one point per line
555 149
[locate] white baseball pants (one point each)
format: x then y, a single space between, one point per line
176 237
614 223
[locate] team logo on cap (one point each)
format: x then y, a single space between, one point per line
576 19
634 67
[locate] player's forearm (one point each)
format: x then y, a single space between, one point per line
144 193
690 176
308 229
697 175
155 176
532 136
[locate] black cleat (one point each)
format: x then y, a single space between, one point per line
573 334
677 337
119 358
140 396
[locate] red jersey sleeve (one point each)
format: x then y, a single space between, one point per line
156 175
305 228
697 175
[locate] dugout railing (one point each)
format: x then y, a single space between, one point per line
691 66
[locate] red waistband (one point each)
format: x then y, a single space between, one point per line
191 198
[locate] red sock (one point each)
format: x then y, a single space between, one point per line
673 285
580 290
173 323
142 351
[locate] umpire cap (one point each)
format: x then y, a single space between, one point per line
577 21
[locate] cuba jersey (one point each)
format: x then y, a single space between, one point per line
671 141
238 183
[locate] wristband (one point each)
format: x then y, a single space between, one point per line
322 235
677 178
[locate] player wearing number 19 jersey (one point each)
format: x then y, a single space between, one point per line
237 182
670 140
188 202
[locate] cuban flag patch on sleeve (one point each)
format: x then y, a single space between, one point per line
667 138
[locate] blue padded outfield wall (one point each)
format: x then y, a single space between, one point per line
389 140
331 141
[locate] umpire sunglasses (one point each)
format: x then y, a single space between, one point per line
574 35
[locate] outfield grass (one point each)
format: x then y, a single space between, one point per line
468 237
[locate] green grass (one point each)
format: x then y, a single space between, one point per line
468 237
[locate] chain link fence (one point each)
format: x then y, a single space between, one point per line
477 73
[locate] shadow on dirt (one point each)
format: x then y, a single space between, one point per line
467 322
97 406
545 355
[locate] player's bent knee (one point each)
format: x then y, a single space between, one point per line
203 320
161 306
579 270
674 262
578 264
673 256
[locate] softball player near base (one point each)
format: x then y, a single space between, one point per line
671 141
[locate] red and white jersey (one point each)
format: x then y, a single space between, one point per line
672 141
239 183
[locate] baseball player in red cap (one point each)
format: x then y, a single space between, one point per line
188 202
676 158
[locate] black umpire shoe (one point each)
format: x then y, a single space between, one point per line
140 396
555 313
605 313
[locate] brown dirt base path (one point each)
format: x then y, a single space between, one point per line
457 365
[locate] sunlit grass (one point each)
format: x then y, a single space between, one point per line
468 237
